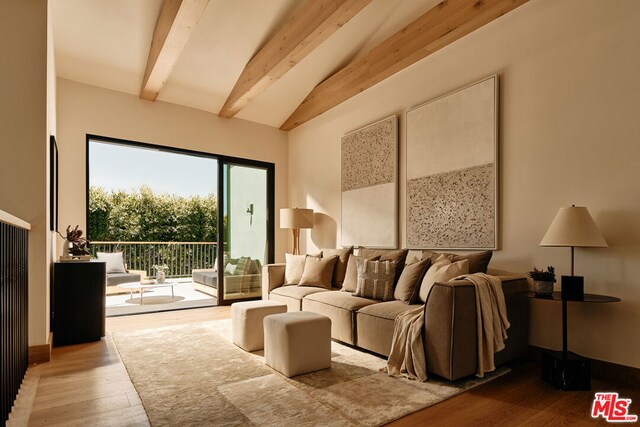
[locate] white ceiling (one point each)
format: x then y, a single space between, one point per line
106 43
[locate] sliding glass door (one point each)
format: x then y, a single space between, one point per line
205 220
247 229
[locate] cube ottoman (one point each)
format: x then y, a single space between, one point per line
246 322
297 343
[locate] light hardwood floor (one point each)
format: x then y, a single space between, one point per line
87 385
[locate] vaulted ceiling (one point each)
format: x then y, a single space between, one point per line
107 43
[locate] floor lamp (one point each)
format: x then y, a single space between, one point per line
295 219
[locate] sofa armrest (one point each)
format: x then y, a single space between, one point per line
272 277
451 339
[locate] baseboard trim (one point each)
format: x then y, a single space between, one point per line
603 370
41 353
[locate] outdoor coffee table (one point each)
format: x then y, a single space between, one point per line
142 286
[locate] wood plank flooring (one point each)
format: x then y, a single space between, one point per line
88 384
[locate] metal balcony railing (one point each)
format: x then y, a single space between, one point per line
180 257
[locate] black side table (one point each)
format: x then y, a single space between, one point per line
564 369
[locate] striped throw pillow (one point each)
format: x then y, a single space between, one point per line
375 279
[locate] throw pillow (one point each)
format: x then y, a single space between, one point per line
230 269
478 261
340 269
114 261
409 281
243 266
375 279
350 283
294 266
318 272
399 257
442 271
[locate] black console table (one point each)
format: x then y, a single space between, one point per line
78 297
564 369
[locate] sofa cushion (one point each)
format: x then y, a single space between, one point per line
442 270
375 279
399 257
350 283
340 270
375 324
114 279
340 307
478 261
342 300
318 272
409 282
206 277
293 295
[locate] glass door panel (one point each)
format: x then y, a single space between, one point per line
246 226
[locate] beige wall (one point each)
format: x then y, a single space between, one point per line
85 109
570 101
24 143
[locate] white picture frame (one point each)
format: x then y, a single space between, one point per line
452 170
369 185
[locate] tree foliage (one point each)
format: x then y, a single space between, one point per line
144 216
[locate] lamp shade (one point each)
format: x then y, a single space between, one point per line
296 218
573 226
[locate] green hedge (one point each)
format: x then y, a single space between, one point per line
144 216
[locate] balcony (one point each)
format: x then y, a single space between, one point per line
180 257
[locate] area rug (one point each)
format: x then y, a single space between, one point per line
193 375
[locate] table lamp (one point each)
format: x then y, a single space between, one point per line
573 227
295 219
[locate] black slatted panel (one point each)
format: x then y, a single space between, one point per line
14 305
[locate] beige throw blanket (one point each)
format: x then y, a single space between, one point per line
407 357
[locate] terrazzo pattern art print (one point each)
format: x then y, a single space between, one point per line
369 171
451 199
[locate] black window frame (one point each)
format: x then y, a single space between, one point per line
223 161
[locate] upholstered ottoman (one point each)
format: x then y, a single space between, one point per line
246 322
297 343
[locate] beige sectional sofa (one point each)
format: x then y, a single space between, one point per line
450 336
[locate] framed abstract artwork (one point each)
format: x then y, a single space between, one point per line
369 172
452 170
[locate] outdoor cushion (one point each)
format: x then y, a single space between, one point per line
114 261
114 279
207 277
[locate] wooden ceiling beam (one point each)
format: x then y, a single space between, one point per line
309 26
447 22
175 24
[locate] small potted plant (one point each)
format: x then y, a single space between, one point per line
543 280
160 272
